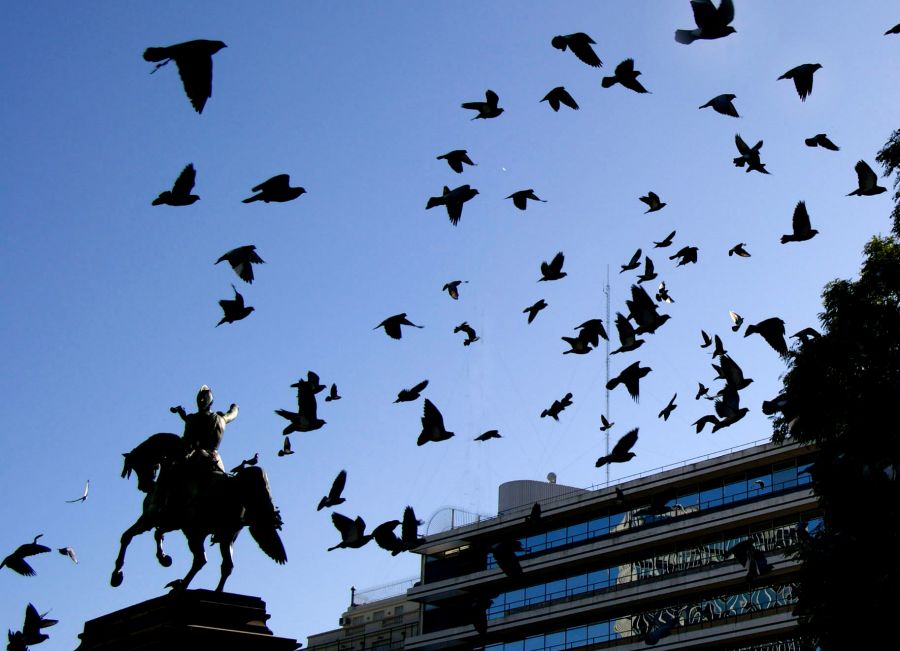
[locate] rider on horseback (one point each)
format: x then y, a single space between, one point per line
203 431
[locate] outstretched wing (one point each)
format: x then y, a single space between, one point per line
625 443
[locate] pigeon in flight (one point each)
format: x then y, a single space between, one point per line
16 561
806 335
729 371
233 309
560 95
652 200
728 407
702 390
749 156
452 288
31 630
821 140
893 30
285 447
626 75
621 451
69 552
666 241
504 553
648 273
712 22
278 189
723 104
685 255
668 409
557 407
736 319
194 61
453 201
84 493
532 310
750 558
592 331
553 270
867 181
644 311
352 532
605 424
180 194
580 45
332 393
306 418
520 198
486 109
772 330
408 395
630 377
802 230
242 260
803 78
469 331
662 294
488 435
432 425
707 340
719 348
456 158
392 325
634 263
739 250
334 494
385 537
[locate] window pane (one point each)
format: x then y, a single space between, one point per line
688 496
556 589
598 579
534 594
534 643
598 632
711 495
735 490
576 584
784 477
576 634
534 544
759 483
598 526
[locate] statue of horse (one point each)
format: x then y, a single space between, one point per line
199 502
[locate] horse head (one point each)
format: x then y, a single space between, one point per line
147 457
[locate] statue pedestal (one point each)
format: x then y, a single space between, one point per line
194 619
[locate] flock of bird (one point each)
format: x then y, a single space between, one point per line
641 316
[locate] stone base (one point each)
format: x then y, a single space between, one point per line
194 619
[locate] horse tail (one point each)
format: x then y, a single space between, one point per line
262 517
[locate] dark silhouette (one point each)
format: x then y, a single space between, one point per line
68 552
453 200
728 407
194 61
685 255
802 229
452 288
867 181
180 194
580 45
605 424
806 335
332 393
520 198
821 140
16 561
456 158
560 95
31 630
84 493
668 409
408 395
702 390
729 371
306 418
578 345
234 309
557 407
736 320
649 273
719 348
352 532
634 263
707 340
385 537
723 104
628 340
803 78
409 533
392 325
246 463
469 332
621 451
750 558
278 189
772 330
749 156
652 200
553 270
505 554
285 447
486 109
532 310
592 331
893 30
432 425
242 260
630 377
334 494
626 75
490 434
533 519
712 22
666 241
739 250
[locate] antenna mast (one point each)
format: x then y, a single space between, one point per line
609 328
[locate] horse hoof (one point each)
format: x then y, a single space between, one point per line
165 560
116 579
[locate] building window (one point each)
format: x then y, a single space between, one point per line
378 614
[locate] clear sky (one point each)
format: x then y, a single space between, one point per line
110 304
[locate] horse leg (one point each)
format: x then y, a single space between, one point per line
226 546
195 544
164 559
142 525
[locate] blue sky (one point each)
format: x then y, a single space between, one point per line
111 303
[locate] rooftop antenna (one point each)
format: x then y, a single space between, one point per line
608 325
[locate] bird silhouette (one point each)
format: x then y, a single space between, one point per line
285 447
893 30
685 255
246 463
520 198
806 335
469 331
488 435
558 96
728 370
728 407
707 340
750 558
652 200
242 260
453 201
626 75
723 104
332 394
553 270
456 159
409 529
802 230
334 494
803 78
634 263
739 250
31 633
593 331
867 181
504 553
605 425
821 140
666 241
278 189
628 340
557 407
233 309
452 288
69 552
702 390
352 532
306 418
311 384
668 409
408 395
385 537
432 425
736 320
84 493
180 194
719 347
712 22
486 109
649 273
621 451
532 310
534 517
392 325
16 561
630 377
749 156
194 61
772 330
580 45
644 311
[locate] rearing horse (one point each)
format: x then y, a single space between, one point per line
200 504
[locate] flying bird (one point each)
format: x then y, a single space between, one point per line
736 319
469 331
802 230
432 425
648 273
707 340
867 181
557 407
486 109
712 22
456 158
702 390
520 198
772 330
806 335
749 156
408 395
803 78
31 630
592 331
453 201
246 463
532 310
666 241
385 537
605 424
194 62
332 393
719 348
553 270
627 336
621 451
821 140
558 96
750 558
634 263
242 260
352 532
180 194
490 434
392 325
644 311
893 30
69 552
278 189
334 493
16 561
580 45
630 377
723 104
285 447
504 553
729 371
668 409
652 200
685 255
306 418
662 293
626 75
84 493
739 250
728 407
452 288
233 309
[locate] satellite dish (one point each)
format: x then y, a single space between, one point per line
551 477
